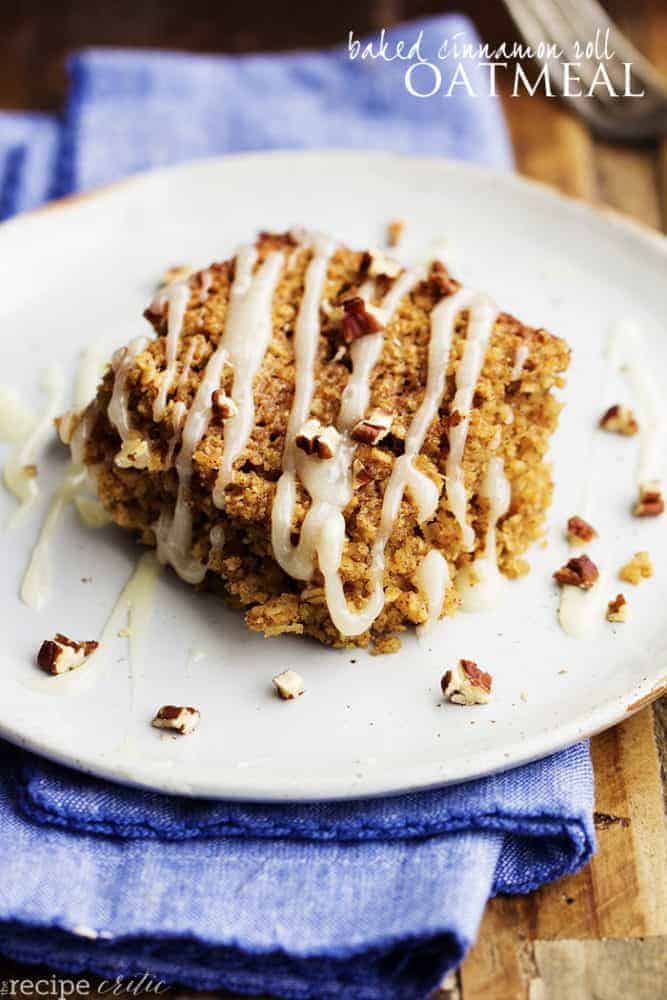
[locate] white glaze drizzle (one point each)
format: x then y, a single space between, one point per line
246 338
581 611
179 410
627 354
365 352
432 579
16 421
306 336
482 315
329 482
187 365
91 368
19 466
91 511
176 297
77 445
173 532
297 560
249 314
36 584
520 358
135 603
118 409
205 282
480 583
404 474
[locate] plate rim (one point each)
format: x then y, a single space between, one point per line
616 218
158 777
609 712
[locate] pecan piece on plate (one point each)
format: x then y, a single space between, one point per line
466 684
580 532
288 685
619 419
579 571
650 502
60 654
182 719
617 609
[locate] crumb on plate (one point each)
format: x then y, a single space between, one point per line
637 569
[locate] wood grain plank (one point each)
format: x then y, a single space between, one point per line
550 144
661 173
589 970
622 892
656 49
501 964
627 181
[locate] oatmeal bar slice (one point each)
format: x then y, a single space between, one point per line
331 440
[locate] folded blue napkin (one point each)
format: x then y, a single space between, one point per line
366 900
361 900
28 147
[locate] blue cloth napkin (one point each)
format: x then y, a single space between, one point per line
28 147
366 900
361 900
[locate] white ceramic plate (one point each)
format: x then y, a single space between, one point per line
84 270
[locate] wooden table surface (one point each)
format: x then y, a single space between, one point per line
601 933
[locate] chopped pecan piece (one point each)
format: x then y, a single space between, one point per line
440 280
360 474
650 502
466 684
619 419
395 229
577 572
617 610
314 439
134 452
579 532
66 425
223 405
203 281
288 685
178 272
332 312
60 654
637 569
373 428
383 266
358 320
182 719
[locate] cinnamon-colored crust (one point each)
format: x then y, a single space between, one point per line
513 419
